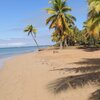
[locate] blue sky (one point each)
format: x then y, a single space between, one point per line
17 14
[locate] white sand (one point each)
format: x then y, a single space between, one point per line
25 77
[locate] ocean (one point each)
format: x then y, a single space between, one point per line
7 53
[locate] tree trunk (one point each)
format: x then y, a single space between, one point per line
66 45
35 41
61 44
94 42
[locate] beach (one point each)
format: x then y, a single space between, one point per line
50 50
26 76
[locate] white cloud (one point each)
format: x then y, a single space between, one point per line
12 44
15 42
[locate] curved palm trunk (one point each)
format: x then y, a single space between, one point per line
35 41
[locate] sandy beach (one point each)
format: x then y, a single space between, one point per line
26 77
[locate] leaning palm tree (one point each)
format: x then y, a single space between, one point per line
32 31
59 19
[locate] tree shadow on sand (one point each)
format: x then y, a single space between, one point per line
95 95
89 49
90 65
90 75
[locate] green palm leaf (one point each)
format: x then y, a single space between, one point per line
50 11
51 18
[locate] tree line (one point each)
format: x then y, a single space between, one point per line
65 32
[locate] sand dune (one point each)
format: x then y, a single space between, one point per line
26 77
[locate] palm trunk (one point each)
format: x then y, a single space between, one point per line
94 41
61 44
35 41
66 45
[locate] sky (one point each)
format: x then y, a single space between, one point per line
15 15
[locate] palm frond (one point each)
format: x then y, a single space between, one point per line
50 19
30 29
66 9
50 11
53 24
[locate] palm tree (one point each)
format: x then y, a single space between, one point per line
59 19
92 25
32 31
94 16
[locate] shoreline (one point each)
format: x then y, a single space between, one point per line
26 76
6 59
3 61
7 52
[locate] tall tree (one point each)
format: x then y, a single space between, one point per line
60 19
93 22
32 31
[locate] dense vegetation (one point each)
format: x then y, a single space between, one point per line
65 33
92 25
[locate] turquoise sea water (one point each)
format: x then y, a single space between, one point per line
6 53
